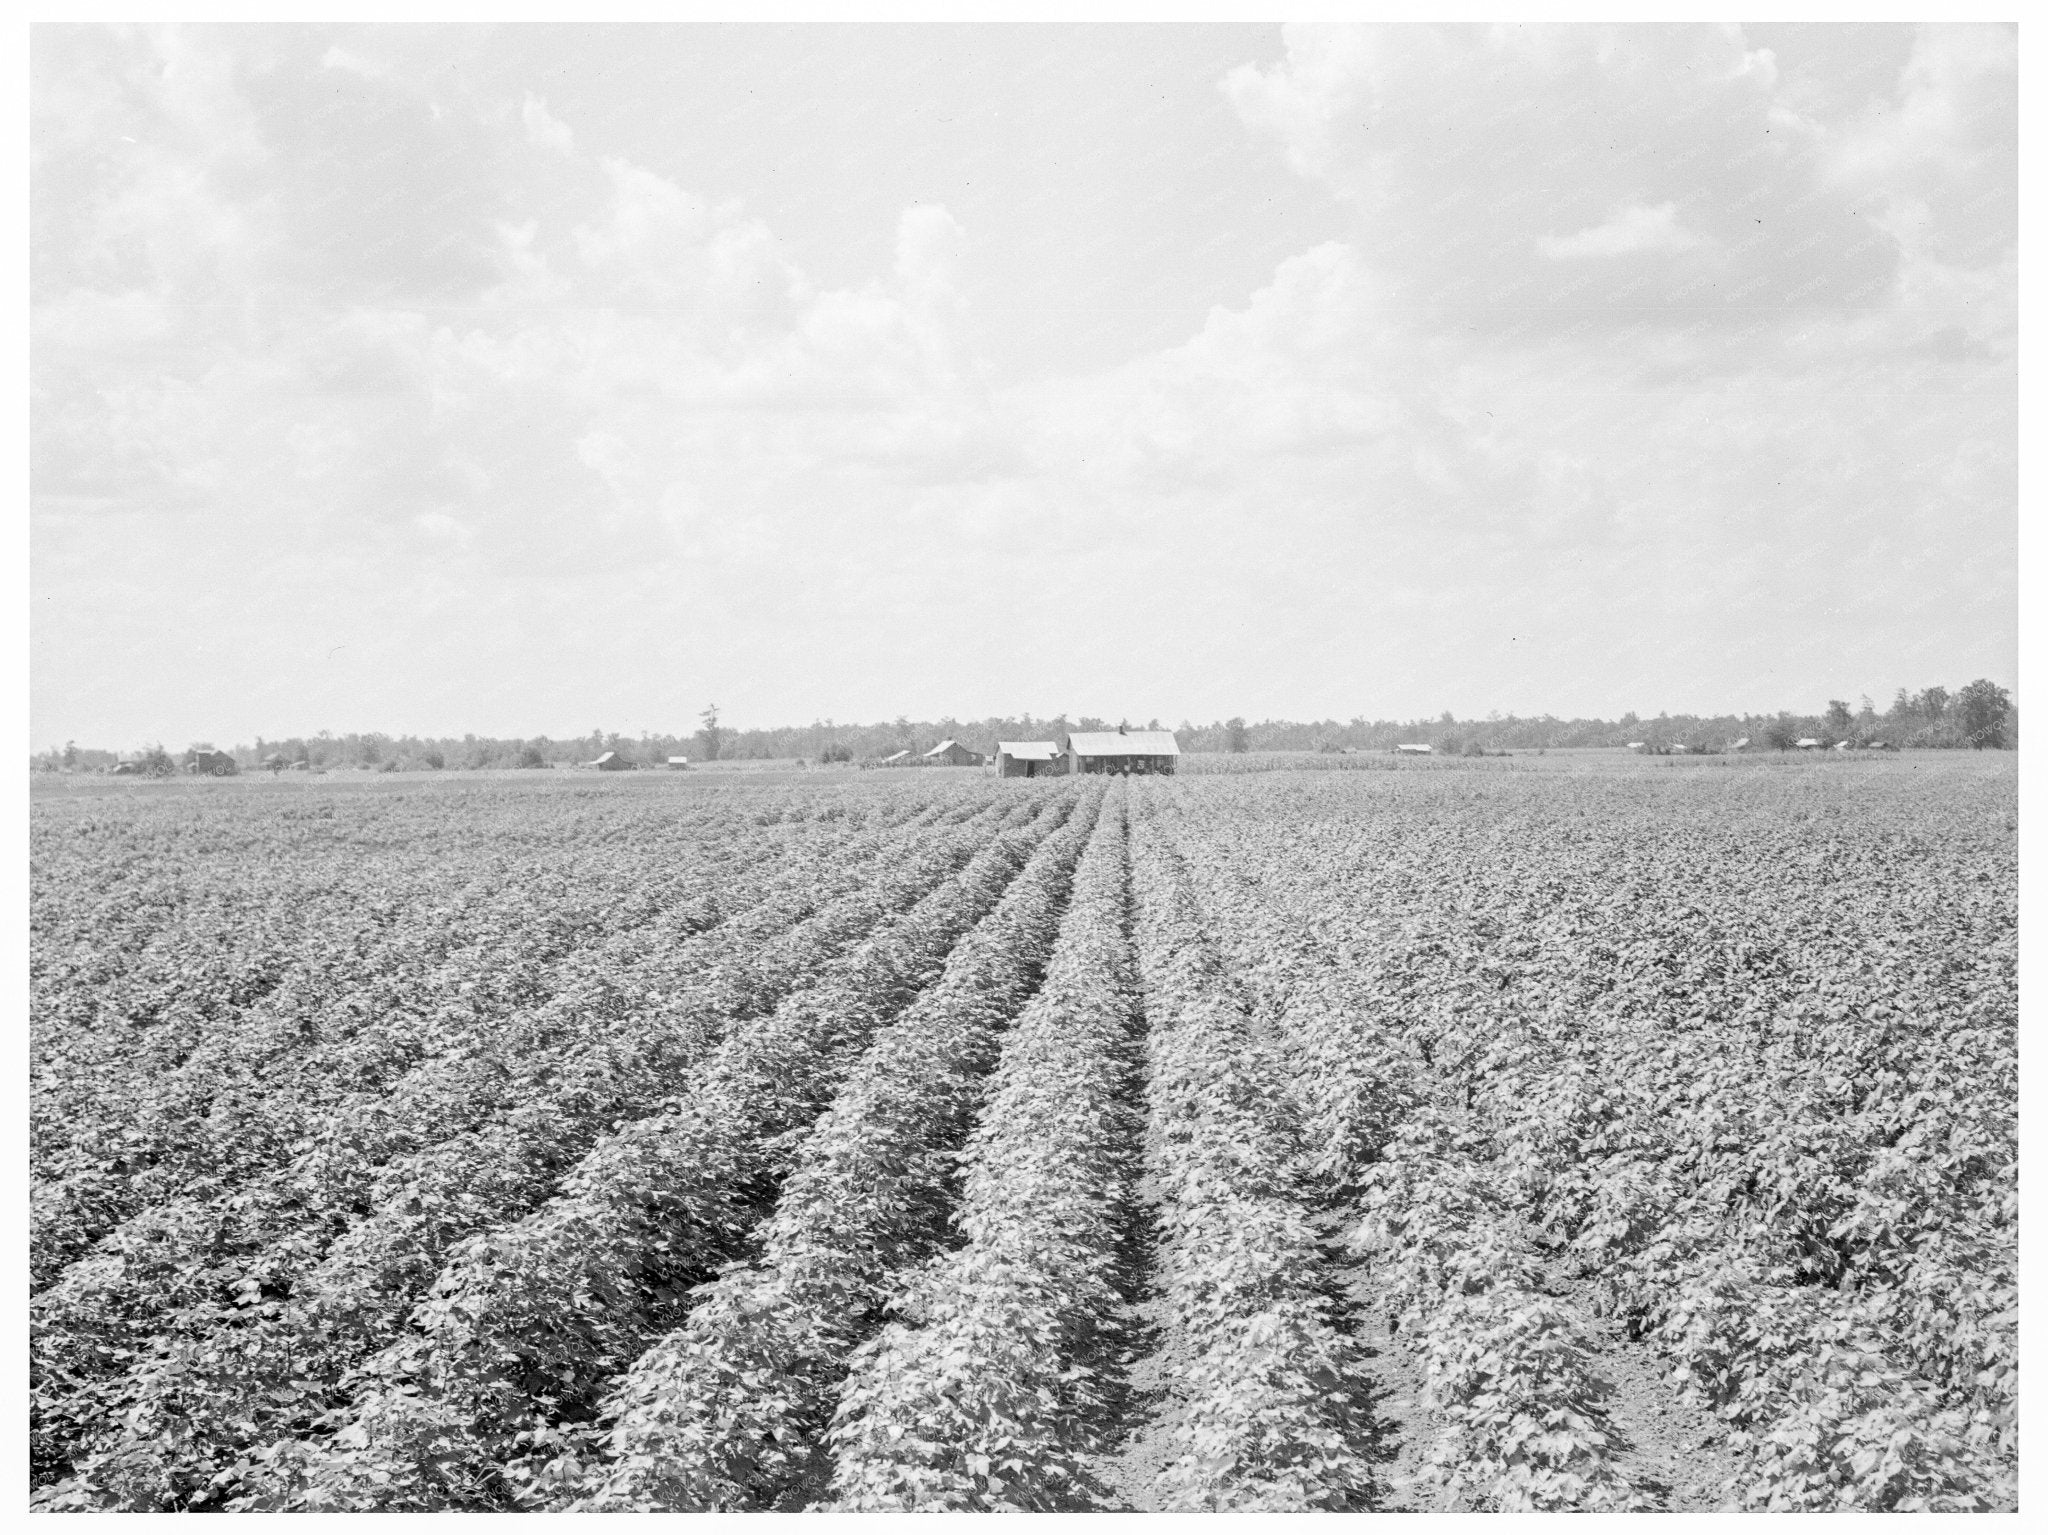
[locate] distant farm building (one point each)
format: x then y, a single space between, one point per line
679 762
275 762
1122 751
1414 748
1842 746
1638 746
213 764
1807 744
1027 759
1741 743
610 762
951 753
895 759
125 769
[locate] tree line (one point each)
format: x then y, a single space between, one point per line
1980 715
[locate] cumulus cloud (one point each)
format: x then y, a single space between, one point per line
333 352
1630 232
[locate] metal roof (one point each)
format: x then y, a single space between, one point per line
1028 751
897 756
1123 743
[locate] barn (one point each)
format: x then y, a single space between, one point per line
213 764
1028 759
950 753
610 762
1122 751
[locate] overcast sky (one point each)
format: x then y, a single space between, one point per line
535 380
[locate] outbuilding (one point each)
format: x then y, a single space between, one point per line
679 762
214 764
1028 759
895 759
950 753
610 762
1807 744
1122 751
1414 748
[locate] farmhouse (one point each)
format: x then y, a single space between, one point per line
1027 759
610 762
1415 748
950 753
1122 751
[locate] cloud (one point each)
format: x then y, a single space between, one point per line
1470 153
1630 232
343 353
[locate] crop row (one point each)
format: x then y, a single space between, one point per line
1766 1096
260 1337
150 939
177 1255
730 1410
990 1392
526 1324
236 1104
1268 1410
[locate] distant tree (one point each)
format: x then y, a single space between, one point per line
1933 704
155 762
836 752
709 733
1983 708
530 757
433 759
1839 719
70 755
1781 735
1235 737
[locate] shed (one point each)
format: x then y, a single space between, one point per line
896 759
1415 748
1028 759
950 753
610 762
1740 743
1636 746
679 762
1807 744
1122 751
125 769
1842 746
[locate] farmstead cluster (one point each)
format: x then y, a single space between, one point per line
1611 1134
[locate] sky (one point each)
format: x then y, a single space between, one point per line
542 379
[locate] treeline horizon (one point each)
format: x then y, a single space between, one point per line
1980 714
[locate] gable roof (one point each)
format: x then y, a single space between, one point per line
1123 743
1028 751
897 756
945 746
